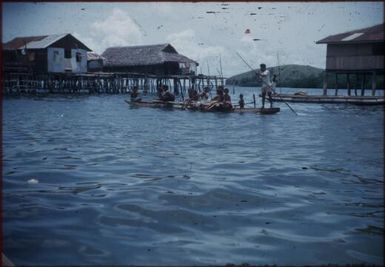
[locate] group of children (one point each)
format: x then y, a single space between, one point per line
164 94
221 101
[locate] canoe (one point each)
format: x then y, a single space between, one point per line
184 106
328 99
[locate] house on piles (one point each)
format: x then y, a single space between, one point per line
357 54
57 53
161 59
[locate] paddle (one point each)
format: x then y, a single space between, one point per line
257 73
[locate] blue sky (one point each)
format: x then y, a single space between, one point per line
205 32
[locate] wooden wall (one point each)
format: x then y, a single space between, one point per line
32 61
355 57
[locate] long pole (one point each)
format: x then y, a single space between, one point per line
245 61
254 70
279 75
279 72
220 65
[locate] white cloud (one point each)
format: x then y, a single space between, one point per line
188 44
118 29
88 41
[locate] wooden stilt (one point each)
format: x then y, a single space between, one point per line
374 83
325 83
363 85
348 84
336 90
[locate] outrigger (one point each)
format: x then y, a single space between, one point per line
199 107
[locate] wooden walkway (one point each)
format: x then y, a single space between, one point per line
104 83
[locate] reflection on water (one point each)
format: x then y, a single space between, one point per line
144 186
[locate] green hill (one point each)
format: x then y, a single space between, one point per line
295 76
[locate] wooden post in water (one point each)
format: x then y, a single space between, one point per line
336 91
325 85
255 104
176 90
356 85
363 85
348 84
374 83
179 84
192 83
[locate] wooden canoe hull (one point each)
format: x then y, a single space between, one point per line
321 99
183 106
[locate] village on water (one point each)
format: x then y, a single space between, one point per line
193 134
61 63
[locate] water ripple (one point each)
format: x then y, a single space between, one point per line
122 186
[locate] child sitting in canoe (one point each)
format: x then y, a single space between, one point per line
135 95
241 102
221 102
166 95
227 100
193 94
204 96
197 101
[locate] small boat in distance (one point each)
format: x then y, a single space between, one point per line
201 108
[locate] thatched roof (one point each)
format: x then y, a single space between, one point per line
143 55
372 34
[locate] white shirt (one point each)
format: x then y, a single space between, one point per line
265 76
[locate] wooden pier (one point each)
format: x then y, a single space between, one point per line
104 83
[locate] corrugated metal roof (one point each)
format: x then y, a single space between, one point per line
142 55
94 56
37 42
45 42
372 34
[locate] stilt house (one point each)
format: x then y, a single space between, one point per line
359 53
162 59
58 53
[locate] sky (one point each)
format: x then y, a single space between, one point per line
274 33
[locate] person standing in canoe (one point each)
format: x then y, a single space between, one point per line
264 75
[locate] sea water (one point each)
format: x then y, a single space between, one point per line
117 185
